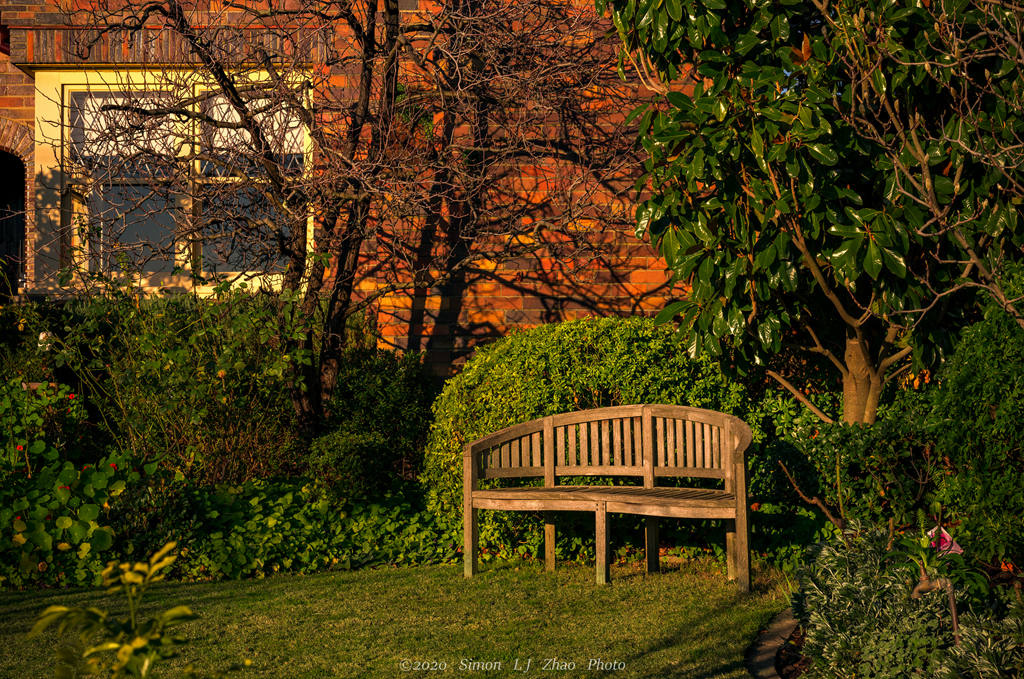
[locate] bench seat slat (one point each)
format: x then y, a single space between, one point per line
711 498
598 470
663 502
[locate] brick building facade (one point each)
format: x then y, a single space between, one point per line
616 275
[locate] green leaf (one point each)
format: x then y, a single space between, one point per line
943 186
757 144
894 262
845 256
747 42
64 522
88 512
878 81
48 617
822 153
780 28
675 9
177 615
873 260
102 539
670 311
720 109
78 531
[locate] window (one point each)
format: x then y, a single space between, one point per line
122 164
238 223
164 183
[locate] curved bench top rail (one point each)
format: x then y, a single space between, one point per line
613 412
685 441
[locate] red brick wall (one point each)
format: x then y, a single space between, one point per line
625 277
616 275
17 118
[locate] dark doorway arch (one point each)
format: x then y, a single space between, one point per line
12 224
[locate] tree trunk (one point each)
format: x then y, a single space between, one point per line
862 385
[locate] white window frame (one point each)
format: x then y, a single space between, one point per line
74 209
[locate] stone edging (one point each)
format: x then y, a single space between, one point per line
760 656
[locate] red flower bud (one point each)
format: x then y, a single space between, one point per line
113 465
71 396
20 447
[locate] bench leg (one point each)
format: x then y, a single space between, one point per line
470 539
651 543
549 541
737 549
601 544
730 550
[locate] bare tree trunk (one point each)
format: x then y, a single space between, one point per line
862 385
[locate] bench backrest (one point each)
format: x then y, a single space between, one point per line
647 441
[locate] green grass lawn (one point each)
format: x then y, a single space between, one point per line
685 622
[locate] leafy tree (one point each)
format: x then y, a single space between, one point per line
827 176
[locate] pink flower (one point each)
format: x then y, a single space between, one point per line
943 542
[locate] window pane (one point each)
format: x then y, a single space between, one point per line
123 134
240 230
133 228
228 147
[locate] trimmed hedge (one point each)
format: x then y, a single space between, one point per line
553 369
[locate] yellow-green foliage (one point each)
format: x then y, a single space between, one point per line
125 647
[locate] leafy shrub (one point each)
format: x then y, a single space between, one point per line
378 417
954 450
855 605
976 416
871 474
199 384
54 524
989 649
36 418
54 511
553 369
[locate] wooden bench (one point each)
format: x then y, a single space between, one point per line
648 442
